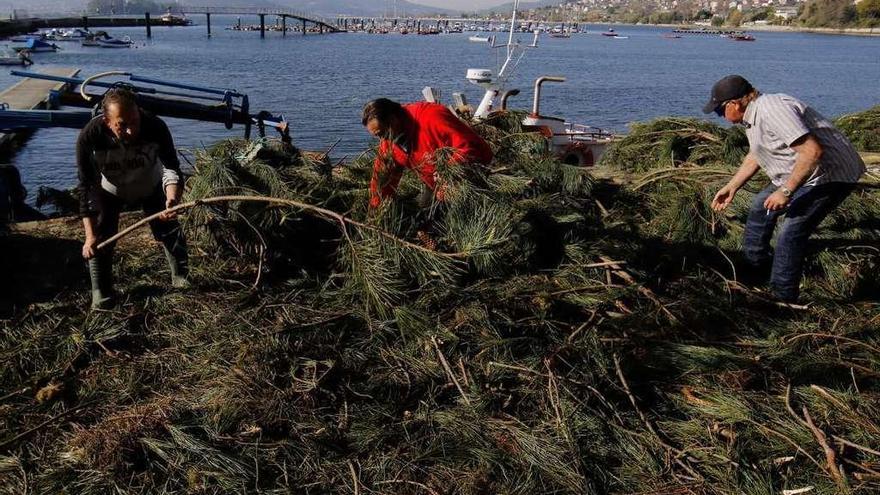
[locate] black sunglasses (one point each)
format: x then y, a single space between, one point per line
719 110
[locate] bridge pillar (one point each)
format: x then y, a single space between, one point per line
304 27
321 28
283 25
147 22
208 23
262 25
86 23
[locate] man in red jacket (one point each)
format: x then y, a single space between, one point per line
411 135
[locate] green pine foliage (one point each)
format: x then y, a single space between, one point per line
862 128
541 331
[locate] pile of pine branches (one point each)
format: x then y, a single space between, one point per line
862 128
541 331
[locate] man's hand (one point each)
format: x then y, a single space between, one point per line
172 198
723 198
90 248
776 201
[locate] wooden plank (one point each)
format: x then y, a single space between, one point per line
29 94
32 93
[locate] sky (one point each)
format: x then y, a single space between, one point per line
461 4
449 4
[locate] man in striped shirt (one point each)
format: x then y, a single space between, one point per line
812 168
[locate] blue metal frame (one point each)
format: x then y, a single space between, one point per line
16 120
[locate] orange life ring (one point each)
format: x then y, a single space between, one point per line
578 154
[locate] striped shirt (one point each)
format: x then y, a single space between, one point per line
774 122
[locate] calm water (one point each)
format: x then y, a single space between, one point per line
321 82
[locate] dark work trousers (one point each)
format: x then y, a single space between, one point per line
808 207
431 210
169 233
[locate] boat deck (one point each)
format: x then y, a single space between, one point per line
30 94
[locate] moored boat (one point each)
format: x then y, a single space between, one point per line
109 42
34 45
170 19
94 38
742 37
71 35
25 37
480 39
10 57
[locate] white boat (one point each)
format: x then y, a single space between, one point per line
480 39
109 42
72 35
93 39
175 20
10 57
574 144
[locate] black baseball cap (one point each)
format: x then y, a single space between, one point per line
727 88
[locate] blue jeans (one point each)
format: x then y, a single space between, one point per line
808 207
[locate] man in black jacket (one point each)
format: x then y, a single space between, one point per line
127 157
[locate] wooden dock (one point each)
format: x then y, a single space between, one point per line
31 94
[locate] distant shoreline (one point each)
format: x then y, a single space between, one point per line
764 28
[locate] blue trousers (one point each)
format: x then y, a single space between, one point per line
808 207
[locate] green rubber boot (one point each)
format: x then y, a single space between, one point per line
178 263
101 277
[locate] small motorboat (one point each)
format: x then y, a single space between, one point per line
34 45
109 42
672 36
175 20
94 38
24 38
72 35
561 34
610 33
480 39
10 57
742 37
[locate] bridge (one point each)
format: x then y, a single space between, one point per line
319 22
51 17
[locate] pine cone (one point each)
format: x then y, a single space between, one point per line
426 240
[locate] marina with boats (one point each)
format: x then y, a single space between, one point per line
545 303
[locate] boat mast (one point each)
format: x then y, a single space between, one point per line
494 88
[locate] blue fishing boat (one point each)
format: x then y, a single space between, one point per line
34 45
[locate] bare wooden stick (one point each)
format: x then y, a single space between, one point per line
648 425
51 420
620 272
856 446
836 438
830 455
791 339
449 372
408 482
741 288
354 478
315 210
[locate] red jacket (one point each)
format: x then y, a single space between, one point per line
431 127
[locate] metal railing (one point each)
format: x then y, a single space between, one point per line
46 10
315 19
